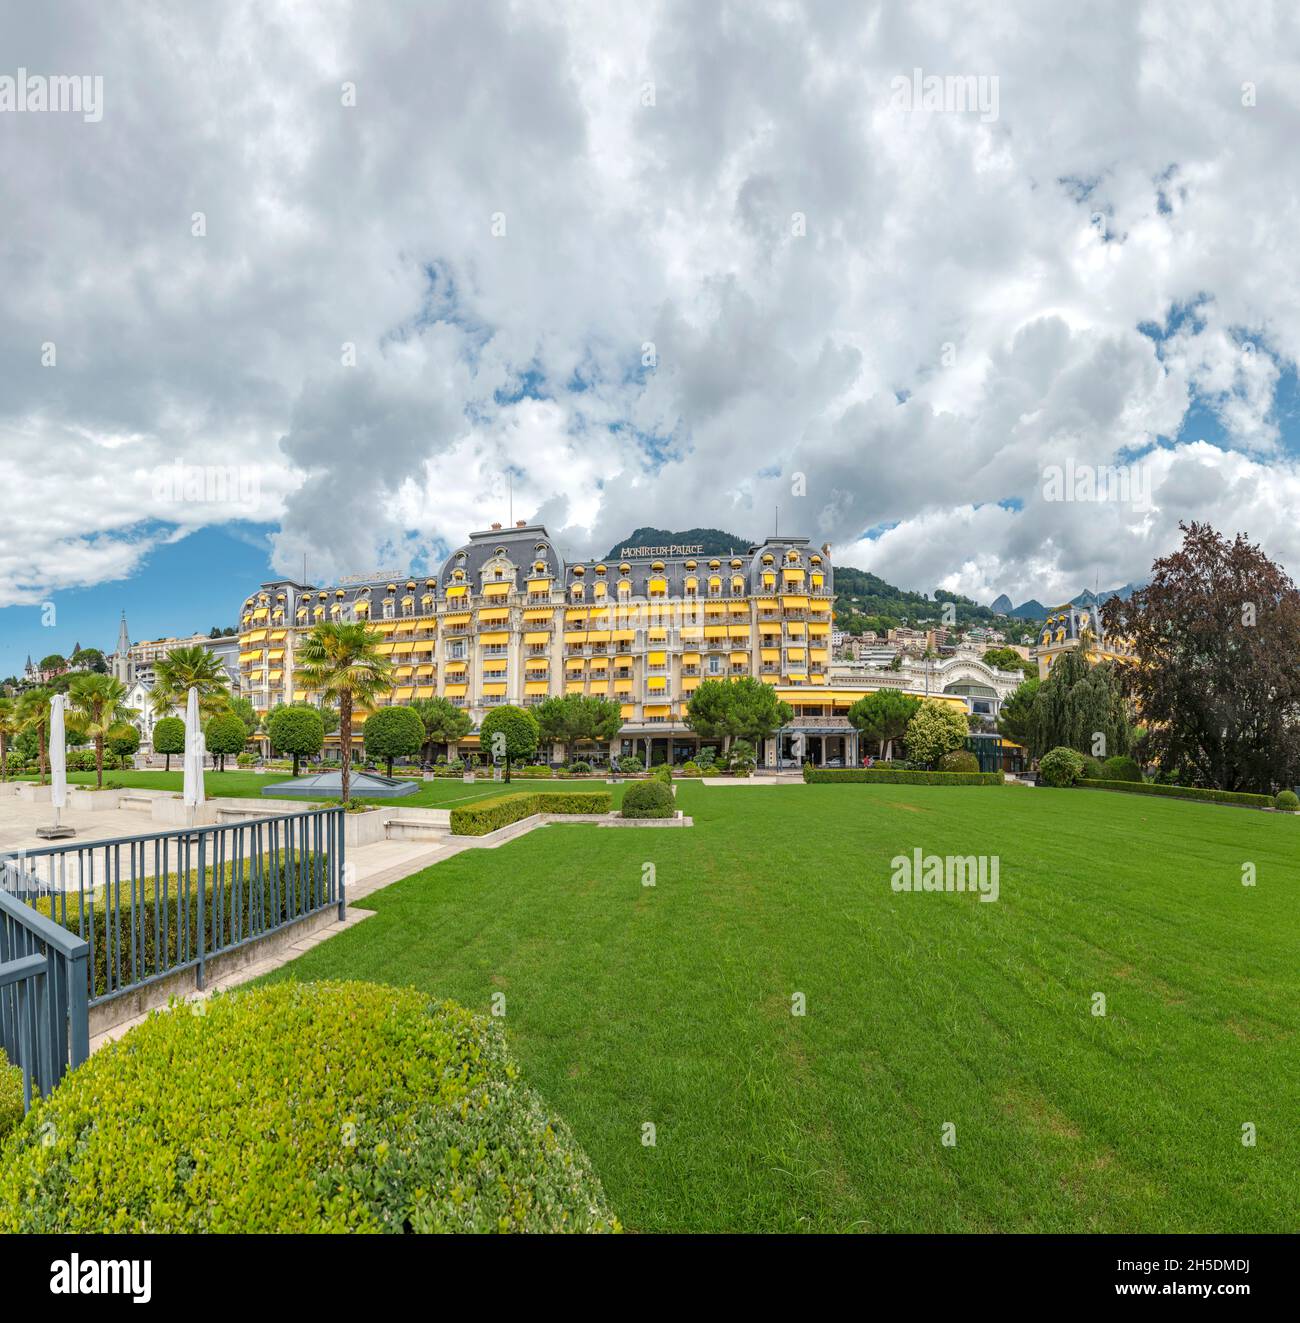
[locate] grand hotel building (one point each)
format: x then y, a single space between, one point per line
508 620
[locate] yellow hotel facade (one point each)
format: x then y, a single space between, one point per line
507 620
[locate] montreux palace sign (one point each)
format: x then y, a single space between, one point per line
641 553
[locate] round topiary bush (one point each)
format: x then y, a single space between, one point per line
629 764
1092 767
579 769
959 760
648 799
1061 767
1286 802
664 774
1121 769
300 1107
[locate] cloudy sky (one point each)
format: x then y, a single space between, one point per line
673 264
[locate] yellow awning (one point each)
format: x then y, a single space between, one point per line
715 631
658 659
385 649
424 691
403 671
261 613
623 659
768 604
690 659
299 695
456 618
658 585
277 635
496 590
715 609
257 636
540 636
798 676
739 657
494 640
656 636
426 668
407 645
598 636
795 654
628 710
457 690
255 655
599 687
493 690
657 710
538 664
574 686
455 668
738 631
575 636
794 628
457 590
792 576
575 664
539 585
821 606
535 686
818 654
576 617
624 635
657 683
690 683
770 654
796 603
275 654
405 691
275 675
495 615
692 632
622 686
534 617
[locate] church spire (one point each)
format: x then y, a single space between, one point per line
123 639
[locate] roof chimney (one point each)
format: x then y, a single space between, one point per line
521 523
496 528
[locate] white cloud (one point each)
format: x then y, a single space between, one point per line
993 276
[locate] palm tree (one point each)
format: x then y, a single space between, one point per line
340 663
184 668
9 726
96 708
33 713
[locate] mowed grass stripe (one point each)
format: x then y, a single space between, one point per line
671 1004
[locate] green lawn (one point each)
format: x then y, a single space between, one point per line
442 792
672 1004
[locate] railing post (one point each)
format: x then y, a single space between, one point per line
203 940
78 1007
339 830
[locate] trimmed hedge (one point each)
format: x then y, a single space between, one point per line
884 776
531 773
160 923
11 1096
300 1108
648 799
489 814
1182 792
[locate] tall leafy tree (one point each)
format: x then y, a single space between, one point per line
510 733
297 731
1016 716
34 720
340 662
444 722
9 727
97 708
883 716
572 718
224 734
727 710
169 737
936 729
393 732
1216 634
186 668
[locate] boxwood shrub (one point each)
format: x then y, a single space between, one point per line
959 760
1183 792
1062 766
300 1107
1287 802
1120 768
233 910
886 776
11 1096
500 811
648 799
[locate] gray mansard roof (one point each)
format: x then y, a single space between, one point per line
515 555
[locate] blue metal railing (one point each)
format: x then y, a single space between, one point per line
149 906
44 1019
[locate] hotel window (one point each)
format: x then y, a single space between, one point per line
714 664
692 587
737 586
715 586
